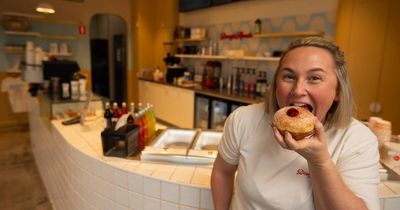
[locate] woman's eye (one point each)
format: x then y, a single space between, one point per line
288 77
314 78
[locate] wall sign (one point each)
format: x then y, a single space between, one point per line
239 35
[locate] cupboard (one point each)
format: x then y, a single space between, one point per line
369 33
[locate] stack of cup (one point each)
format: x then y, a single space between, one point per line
383 131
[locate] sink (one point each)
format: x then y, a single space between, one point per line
206 144
184 146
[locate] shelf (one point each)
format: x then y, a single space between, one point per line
39 35
22 33
40 18
185 40
289 34
60 54
222 57
22 52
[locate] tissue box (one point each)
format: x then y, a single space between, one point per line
123 142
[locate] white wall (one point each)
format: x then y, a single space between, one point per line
77 12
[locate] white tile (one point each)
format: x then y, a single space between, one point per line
96 184
152 187
121 196
120 207
121 178
136 201
164 172
189 196
132 165
151 203
169 206
146 168
135 182
384 190
381 203
107 172
206 201
108 190
107 204
183 207
183 174
392 203
170 192
394 186
201 176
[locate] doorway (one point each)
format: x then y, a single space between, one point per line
108 56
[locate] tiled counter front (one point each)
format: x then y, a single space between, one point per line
78 176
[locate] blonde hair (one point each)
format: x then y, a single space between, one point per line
341 111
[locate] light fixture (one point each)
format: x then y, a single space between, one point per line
45 8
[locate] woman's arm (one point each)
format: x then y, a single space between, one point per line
222 179
330 191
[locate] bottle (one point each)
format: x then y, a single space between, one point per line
259 83
138 108
108 116
123 109
144 123
115 115
257 26
264 83
152 120
129 120
138 122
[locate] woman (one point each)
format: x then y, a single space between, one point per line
337 168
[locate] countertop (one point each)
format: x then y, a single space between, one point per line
238 96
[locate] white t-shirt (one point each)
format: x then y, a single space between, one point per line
270 177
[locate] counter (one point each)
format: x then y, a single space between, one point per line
78 176
237 96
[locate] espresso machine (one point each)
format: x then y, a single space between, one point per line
174 69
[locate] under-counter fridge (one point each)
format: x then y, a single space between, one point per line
211 112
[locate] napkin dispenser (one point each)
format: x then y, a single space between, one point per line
123 142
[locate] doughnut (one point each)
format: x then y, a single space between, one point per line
297 120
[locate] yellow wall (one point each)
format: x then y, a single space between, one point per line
369 33
153 23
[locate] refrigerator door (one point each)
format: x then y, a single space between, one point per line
219 113
202 112
234 107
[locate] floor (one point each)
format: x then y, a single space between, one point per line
20 184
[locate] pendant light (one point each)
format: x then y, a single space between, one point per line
45 8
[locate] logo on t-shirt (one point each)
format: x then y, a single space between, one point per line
301 172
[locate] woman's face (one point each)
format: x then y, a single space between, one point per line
307 78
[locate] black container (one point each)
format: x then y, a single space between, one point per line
123 142
174 72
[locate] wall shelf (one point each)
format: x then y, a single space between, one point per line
289 34
185 40
223 57
39 18
39 35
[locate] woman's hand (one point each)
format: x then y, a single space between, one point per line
314 149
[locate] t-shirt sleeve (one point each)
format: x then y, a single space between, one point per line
229 146
359 168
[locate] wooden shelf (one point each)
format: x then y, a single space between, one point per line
22 33
289 34
184 40
222 57
39 35
40 18
60 54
